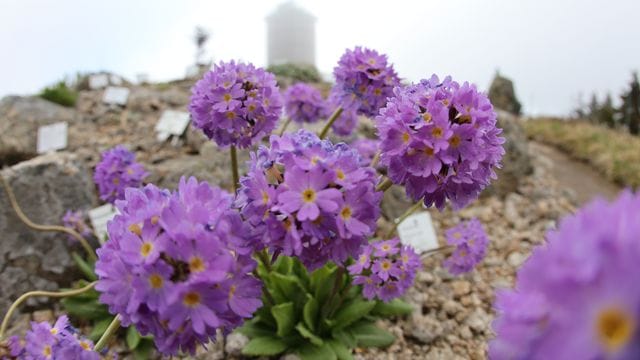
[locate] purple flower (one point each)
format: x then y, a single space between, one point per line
304 103
236 104
385 269
46 342
367 149
177 265
76 220
364 81
440 140
117 171
578 295
348 119
470 243
16 346
310 198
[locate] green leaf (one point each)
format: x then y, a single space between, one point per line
85 267
264 346
345 337
312 352
342 352
283 265
369 335
254 328
99 327
285 318
322 282
289 285
310 312
307 334
144 350
133 337
300 271
85 309
395 307
352 312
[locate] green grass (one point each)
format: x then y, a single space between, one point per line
614 153
61 94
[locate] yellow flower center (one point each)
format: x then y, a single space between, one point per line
265 197
155 219
314 160
429 151
196 264
156 281
386 247
364 259
227 97
309 195
405 137
251 107
454 141
345 212
436 132
457 235
386 265
146 248
191 299
116 181
53 331
340 174
230 115
464 119
615 328
46 351
135 228
85 345
377 91
426 117
232 291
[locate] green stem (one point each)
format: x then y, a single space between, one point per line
234 169
384 185
25 296
111 330
14 204
343 295
375 160
436 250
336 285
284 127
264 257
404 216
332 119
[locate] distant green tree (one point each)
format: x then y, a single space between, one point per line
60 93
630 109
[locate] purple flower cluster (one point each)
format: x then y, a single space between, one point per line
578 296
177 265
310 198
236 104
385 269
440 140
117 171
46 342
348 119
76 220
364 81
304 103
367 148
470 243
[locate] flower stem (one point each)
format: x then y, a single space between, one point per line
113 327
384 185
14 204
375 160
285 126
25 296
403 217
332 119
234 169
336 285
436 250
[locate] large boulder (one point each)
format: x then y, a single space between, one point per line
503 95
45 187
516 163
20 118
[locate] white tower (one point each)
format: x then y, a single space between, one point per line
291 36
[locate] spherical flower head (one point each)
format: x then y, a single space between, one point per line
364 80
76 220
440 140
347 121
236 104
577 296
116 171
470 242
310 198
385 269
177 265
367 148
304 103
60 341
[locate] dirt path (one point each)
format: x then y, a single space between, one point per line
581 179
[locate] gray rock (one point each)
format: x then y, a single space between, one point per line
516 163
503 95
425 329
234 343
20 118
45 187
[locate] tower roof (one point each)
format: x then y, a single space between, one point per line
289 9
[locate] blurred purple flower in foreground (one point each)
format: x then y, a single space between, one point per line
577 296
116 171
236 104
440 140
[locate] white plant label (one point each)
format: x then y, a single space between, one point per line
417 231
116 95
99 218
116 80
98 81
171 123
52 137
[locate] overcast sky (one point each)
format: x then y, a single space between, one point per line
552 49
